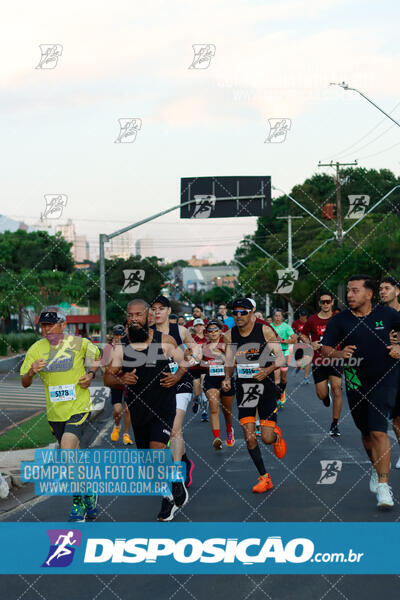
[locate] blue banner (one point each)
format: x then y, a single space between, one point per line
201 548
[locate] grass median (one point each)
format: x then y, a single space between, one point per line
32 433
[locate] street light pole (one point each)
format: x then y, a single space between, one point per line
290 256
345 86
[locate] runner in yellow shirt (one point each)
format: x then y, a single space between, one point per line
60 360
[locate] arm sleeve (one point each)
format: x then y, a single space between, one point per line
332 335
29 359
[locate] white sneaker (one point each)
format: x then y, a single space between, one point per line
373 482
398 464
384 496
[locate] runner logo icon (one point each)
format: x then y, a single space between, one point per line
252 393
330 471
62 547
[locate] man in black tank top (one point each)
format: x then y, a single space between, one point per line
143 366
161 310
249 348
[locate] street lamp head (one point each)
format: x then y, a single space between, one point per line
343 85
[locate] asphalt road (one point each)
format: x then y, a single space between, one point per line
18 403
222 491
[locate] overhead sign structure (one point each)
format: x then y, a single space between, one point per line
219 197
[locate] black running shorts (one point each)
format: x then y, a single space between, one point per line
75 425
322 373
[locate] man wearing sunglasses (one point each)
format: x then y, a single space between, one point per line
254 350
324 374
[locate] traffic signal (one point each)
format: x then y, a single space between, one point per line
328 212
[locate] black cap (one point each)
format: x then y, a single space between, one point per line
161 300
303 312
118 330
173 316
243 302
52 315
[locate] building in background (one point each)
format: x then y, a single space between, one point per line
202 279
144 247
8 224
80 245
120 246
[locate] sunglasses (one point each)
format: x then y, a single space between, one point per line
241 313
326 301
212 330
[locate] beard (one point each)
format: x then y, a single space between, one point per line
138 333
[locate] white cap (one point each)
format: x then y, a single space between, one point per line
198 322
252 301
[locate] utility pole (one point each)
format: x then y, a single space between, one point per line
339 216
290 257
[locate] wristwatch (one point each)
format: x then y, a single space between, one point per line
92 373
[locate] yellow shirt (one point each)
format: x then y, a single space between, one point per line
65 365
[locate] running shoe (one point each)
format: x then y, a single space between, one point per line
384 496
230 438
307 379
127 440
195 406
397 466
204 417
92 510
179 493
297 370
334 430
374 481
168 509
189 471
326 401
264 484
217 443
115 433
282 400
280 444
78 510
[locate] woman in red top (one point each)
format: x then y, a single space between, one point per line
214 361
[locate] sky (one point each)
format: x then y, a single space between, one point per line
129 59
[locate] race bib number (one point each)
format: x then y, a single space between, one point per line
248 370
62 393
173 367
216 370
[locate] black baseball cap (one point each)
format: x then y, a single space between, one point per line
118 330
163 300
52 314
243 303
303 312
173 316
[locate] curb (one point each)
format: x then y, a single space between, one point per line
12 364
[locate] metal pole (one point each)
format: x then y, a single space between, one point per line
106 238
346 87
304 208
103 316
290 265
267 305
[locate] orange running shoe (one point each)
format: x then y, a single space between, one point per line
115 433
127 439
280 444
264 484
